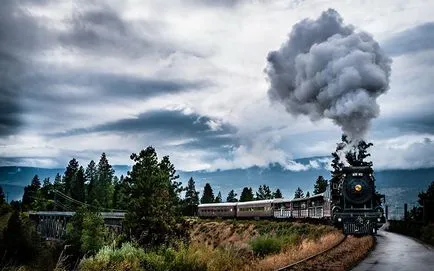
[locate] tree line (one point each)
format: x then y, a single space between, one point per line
95 186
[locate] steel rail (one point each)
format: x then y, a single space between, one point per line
290 266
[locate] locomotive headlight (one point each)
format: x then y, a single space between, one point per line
358 187
379 219
339 219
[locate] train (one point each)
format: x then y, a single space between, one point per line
350 202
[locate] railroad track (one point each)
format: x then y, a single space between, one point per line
293 265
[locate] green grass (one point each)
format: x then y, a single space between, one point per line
303 230
265 245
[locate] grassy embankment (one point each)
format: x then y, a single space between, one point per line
224 245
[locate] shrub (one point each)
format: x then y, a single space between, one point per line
428 234
85 232
225 259
186 259
93 233
108 258
265 245
132 258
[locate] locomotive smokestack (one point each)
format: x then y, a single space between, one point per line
328 70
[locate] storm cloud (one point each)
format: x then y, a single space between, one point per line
328 70
20 36
202 131
99 29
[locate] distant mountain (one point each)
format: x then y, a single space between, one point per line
399 186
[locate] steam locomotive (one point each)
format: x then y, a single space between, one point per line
356 206
350 202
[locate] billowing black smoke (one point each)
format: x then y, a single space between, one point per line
328 70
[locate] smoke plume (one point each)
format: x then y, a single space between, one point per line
328 70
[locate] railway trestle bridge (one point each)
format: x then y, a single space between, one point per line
52 224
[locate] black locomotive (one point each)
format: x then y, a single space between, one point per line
357 207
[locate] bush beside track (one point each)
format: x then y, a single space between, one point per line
414 229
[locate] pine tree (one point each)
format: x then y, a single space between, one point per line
264 192
57 185
116 189
44 197
278 194
77 185
208 195
46 189
30 193
298 193
267 192
218 199
120 194
246 194
103 187
232 196
70 173
152 217
320 185
307 194
176 186
91 182
36 183
191 198
260 195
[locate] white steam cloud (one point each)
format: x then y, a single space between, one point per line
328 70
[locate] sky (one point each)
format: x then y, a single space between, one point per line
78 78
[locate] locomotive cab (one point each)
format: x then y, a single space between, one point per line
357 207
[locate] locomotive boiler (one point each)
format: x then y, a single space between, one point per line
357 207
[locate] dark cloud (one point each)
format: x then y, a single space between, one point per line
103 86
98 29
423 122
170 124
411 40
20 36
